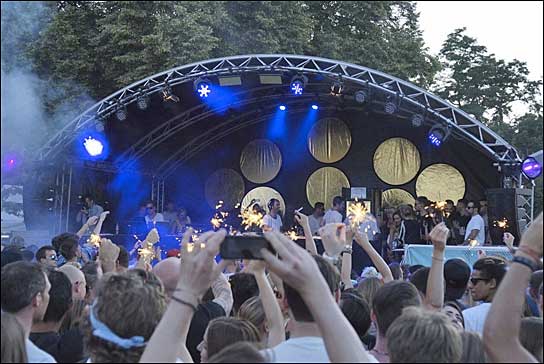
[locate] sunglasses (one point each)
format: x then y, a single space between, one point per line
475 281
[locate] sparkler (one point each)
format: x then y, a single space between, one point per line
472 243
357 213
94 240
503 224
218 219
250 218
292 234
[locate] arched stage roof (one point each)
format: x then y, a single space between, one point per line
254 102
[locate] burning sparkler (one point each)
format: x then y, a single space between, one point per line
251 218
357 213
503 224
94 240
218 219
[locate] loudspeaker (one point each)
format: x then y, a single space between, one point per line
511 204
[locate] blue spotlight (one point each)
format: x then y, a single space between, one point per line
531 168
436 136
203 86
315 107
94 147
298 83
283 107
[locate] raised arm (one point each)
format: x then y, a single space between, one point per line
303 221
345 272
434 298
98 227
90 222
271 308
503 322
222 293
377 260
299 269
197 272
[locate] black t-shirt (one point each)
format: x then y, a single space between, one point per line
205 313
65 348
412 232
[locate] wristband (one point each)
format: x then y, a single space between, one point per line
526 262
439 259
530 252
179 300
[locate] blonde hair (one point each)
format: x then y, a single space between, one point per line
368 288
253 311
473 348
419 336
13 340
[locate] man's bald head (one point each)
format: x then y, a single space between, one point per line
168 272
77 278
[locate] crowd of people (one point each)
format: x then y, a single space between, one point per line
83 302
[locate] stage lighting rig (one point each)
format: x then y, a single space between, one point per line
532 165
417 120
361 96
298 84
203 87
438 135
94 147
390 107
167 95
337 88
121 113
143 102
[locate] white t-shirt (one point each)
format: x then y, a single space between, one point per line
37 355
158 218
475 317
476 222
332 216
315 223
275 224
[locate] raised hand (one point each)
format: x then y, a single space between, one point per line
153 236
531 240
109 253
104 215
256 266
333 237
92 221
508 240
301 219
198 271
439 236
297 267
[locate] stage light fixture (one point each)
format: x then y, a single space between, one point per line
337 88
531 167
361 96
203 87
390 106
121 113
437 135
417 120
167 95
142 102
283 107
298 84
315 107
93 146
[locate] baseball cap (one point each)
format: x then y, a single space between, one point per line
456 274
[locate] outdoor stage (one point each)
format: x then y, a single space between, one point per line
249 128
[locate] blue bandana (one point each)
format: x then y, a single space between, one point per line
102 331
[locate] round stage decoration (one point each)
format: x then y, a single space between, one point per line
262 195
396 161
225 185
395 197
329 140
260 161
440 182
324 184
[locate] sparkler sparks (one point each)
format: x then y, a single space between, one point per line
218 219
503 224
357 213
292 234
94 240
250 218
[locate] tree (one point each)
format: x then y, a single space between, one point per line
383 35
481 84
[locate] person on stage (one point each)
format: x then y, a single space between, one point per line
272 220
476 226
334 215
152 216
89 209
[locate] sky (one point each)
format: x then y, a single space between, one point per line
510 29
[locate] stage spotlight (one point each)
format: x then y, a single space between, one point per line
390 106
142 102
93 146
203 86
315 107
417 120
121 113
361 96
283 107
167 95
337 88
297 85
437 135
531 168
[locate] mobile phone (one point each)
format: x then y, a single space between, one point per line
244 247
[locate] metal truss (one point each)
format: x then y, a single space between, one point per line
430 105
